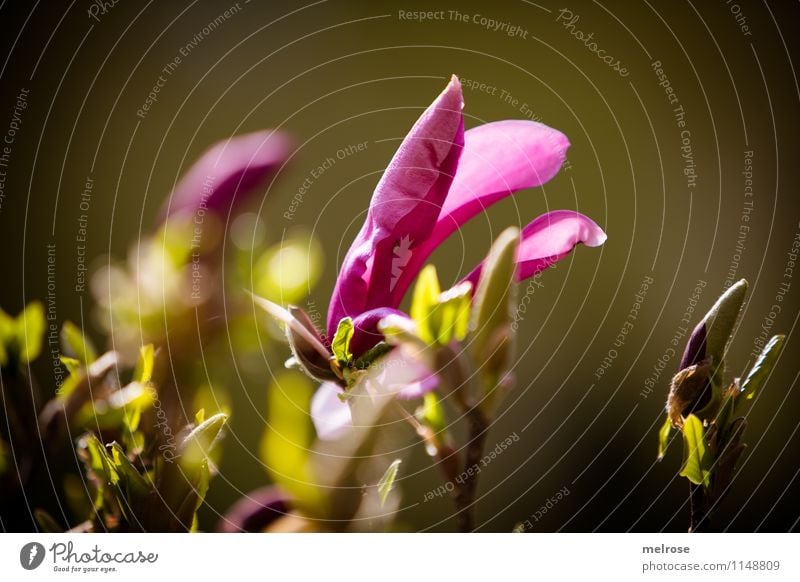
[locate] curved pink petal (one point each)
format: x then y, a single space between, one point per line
548 239
402 373
331 416
499 158
229 169
404 208
365 332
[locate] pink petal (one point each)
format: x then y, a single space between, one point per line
330 415
404 209
365 333
548 239
499 158
404 373
233 167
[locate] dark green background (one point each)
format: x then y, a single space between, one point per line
341 72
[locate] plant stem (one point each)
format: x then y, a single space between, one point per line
699 520
465 491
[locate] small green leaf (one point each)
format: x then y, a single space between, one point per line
455 306
761 369
697 461
385 483
76 344
134 483
197 445
101 462
341 340
424 303
433 412
30 331
144 367
663 438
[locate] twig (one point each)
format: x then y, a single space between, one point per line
699 520
465 490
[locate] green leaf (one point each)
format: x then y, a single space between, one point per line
100 461
433 412
341 340
663 438
8 335
492 311
697 461
385 483
145 365
197 445
455 306
440 317
761 369
76 344
424 302
720 321
30 331
134 483
289 434
122 407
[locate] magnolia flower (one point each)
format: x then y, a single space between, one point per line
227 173
440 177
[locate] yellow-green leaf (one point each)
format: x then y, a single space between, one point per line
30 331
76 343
144 366
663 438
761 369
697 460
340 345
385 483
288 436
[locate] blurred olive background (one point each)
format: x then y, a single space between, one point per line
338 73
